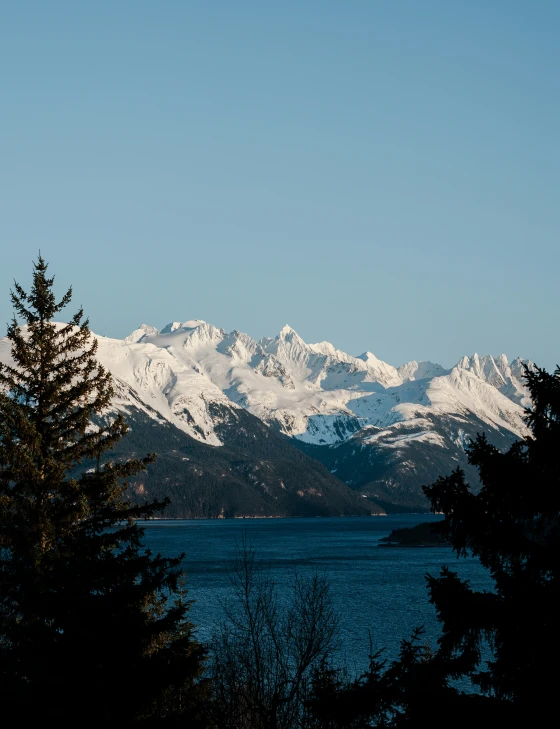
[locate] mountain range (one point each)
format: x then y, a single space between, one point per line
280 427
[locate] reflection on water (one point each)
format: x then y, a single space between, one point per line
376 589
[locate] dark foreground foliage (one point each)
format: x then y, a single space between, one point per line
93 627
270 648
513 525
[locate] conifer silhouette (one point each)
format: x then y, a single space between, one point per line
513 525
93 627
505 640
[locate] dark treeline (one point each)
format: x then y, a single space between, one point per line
95 630
247 476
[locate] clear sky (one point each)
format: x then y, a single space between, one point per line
383 174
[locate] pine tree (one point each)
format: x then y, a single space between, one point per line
513 526
93 626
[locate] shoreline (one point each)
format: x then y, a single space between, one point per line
333 516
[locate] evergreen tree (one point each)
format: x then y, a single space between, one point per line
513 525
93 627
505 641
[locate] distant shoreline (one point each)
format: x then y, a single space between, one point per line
426 534
331 516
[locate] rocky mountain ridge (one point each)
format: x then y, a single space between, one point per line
383 430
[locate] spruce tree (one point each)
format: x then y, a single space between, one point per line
513 526
504 641
93 626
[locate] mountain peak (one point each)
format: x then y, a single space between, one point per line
422 370
288 333
368 357
174 325
171 327
192 323
140 333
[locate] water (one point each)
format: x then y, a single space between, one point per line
377 589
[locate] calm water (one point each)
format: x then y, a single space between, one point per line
377 589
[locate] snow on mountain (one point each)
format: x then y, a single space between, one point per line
138 334
498 372
382 429
420 370
179 391
313 392
379 371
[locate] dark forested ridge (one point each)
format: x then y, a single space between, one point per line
393 478
261 472
255 473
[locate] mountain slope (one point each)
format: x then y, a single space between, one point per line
254 473
214 459
383 430
322 395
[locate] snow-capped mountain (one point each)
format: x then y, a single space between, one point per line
165 380
312 392
214 459
376 426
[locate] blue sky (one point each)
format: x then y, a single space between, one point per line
383 174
